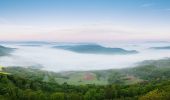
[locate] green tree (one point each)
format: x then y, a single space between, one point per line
57 96
154 95
74 96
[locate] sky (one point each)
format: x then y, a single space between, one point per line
84 20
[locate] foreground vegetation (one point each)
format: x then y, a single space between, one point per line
149 81
18 88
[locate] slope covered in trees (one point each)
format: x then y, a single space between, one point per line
148 81
19 88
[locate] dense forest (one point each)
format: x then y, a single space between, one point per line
148 81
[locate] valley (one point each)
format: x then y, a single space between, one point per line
147 80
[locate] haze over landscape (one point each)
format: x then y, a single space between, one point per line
56 59
84 50
115 24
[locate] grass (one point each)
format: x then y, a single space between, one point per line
4 73
1 71
130 79
79 78
1 67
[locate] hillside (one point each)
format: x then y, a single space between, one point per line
34 84
145 72
161 48
5 50
95 49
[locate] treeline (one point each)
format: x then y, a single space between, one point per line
19 88
150 81
144 73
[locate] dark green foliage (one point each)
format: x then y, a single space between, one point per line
34 84
18 88
116 77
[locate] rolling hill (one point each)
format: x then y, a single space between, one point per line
5 50
161 48
148 81
95 49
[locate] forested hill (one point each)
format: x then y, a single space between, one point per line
19 88
149 81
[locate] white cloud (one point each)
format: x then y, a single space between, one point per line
89 33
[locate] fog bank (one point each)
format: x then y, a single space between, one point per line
62 60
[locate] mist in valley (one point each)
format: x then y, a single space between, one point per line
52 59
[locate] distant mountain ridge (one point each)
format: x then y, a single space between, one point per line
161 48
5 50
95 49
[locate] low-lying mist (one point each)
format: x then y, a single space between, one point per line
53 59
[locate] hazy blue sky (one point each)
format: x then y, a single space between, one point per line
85 20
